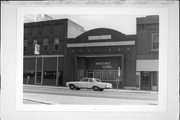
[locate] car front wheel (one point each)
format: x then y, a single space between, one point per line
72 87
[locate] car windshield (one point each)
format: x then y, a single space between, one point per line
85 80
98 80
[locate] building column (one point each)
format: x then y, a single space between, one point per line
35 77
122 69
42 71
75 69
138 79
57 71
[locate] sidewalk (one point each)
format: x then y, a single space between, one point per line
119 90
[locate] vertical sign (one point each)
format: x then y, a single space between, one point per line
36 49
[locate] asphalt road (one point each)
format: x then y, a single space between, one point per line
110 93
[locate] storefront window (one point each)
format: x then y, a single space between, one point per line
50 75
28 77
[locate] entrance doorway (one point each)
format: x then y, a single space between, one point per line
90 74
145 81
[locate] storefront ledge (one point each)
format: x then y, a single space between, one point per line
131 88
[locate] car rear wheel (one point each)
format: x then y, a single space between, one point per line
95 88
72 87
77 88
101 89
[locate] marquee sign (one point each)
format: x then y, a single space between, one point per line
99 37
104 65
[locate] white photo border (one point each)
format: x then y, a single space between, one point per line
163 39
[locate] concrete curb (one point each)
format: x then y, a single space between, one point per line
37 101
118 90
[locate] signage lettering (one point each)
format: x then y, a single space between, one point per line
103 63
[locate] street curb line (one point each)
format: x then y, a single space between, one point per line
37 101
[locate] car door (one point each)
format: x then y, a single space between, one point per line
90 83
83 83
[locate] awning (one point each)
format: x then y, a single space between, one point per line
147 65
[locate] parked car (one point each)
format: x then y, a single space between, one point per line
89 83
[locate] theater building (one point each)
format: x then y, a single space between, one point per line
99 53
147 46
47 67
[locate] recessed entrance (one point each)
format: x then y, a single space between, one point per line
145 81
102 67
90 74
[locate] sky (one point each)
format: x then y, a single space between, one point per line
125 24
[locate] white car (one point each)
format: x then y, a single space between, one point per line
89 83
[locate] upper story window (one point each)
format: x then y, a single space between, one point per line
45 44
25 45
155 41
56 44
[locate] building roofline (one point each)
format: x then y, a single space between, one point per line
151 19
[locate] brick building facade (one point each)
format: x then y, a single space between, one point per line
147 46
47 67
68 53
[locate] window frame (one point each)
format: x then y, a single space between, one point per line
44 44
154 41
26 46
55 44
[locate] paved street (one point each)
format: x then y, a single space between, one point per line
62 95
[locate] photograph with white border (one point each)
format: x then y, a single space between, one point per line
55 54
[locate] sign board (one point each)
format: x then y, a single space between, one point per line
36 49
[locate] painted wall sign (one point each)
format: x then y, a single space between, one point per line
99 37
103 63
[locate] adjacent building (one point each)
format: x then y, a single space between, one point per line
147 46
47 67
69 53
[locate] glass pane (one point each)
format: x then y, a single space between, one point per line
85 80
25 43
45 41
56 41
34 42
56 47
45 48
105 75
155 45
